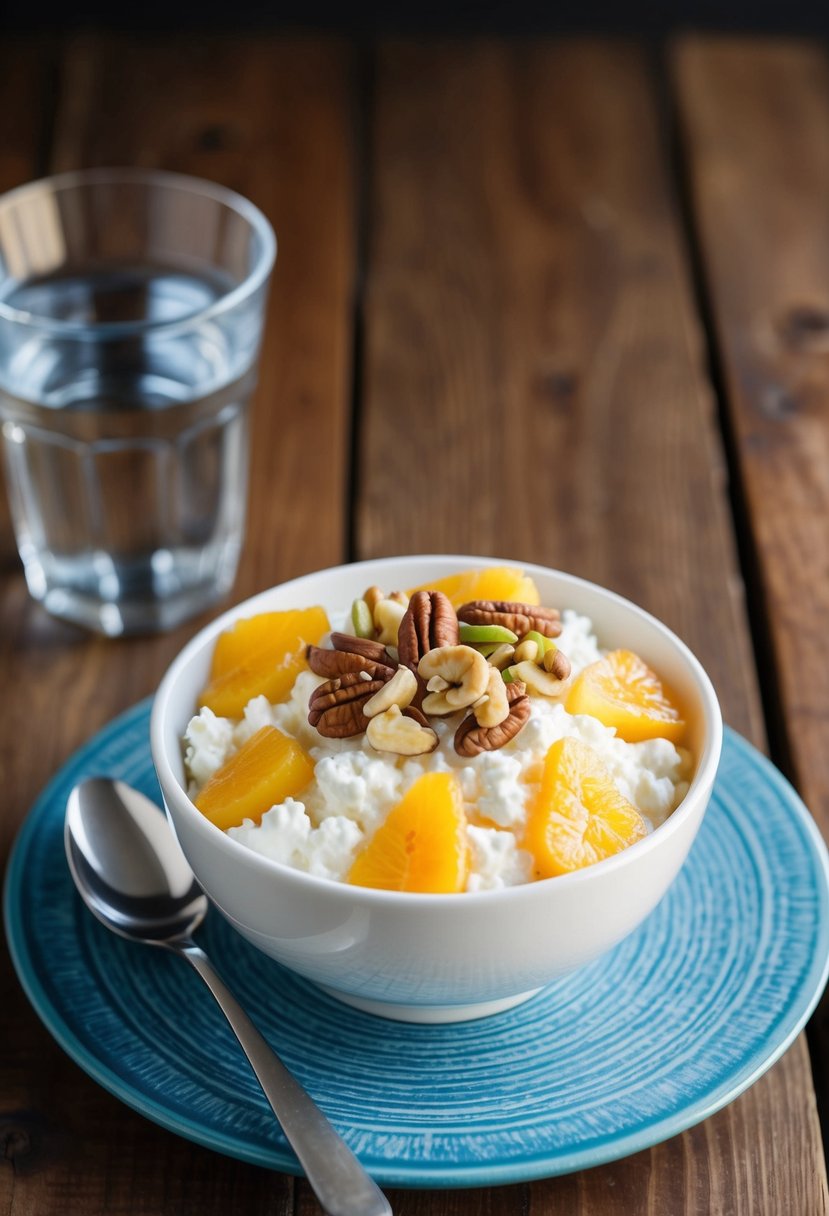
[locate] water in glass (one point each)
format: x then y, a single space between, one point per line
126 456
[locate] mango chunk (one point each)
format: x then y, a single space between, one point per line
267 769
579 816
622 691
490 583
422 845
262 655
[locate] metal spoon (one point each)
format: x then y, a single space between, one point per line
131 872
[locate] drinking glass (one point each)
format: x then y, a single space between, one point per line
131 313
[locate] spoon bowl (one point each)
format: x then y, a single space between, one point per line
132 875
127 866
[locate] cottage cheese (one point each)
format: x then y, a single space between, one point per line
355 787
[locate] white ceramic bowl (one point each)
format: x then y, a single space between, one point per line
434 958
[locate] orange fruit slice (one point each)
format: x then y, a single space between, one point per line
491 583
622 691
261 655
422 844
267 769
579 816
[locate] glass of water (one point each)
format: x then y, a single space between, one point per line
131 314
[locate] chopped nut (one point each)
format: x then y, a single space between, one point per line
493 707
471 738
543 643
372 596
367 647
526 651
520 618
399 690
537 679
392 731
400 597
437 684
332 663
387 617
465 671
336 707
502 656
556 661
429 622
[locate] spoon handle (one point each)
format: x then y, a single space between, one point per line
339 1182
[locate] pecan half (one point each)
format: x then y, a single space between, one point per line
367 647
493 707
336 707
471 738
428 622
333 663
520 618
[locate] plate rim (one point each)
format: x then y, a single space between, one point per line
432 1175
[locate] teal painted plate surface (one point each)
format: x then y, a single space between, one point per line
666 1029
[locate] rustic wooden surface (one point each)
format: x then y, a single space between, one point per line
763 230
484 336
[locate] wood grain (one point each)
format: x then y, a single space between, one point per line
534 375
755 117
272 119
533 384
535 387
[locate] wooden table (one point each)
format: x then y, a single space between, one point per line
563 301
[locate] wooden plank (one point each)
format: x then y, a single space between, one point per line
755 117
270 118
534 387
529 313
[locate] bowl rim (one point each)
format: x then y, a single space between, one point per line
701 783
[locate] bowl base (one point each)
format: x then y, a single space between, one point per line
429 1015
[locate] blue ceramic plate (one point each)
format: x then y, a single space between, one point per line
673 1024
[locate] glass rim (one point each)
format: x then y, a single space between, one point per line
85 330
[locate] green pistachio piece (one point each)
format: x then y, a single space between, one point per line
473 635
362 619
486 648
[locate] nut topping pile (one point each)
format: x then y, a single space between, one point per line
412 659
